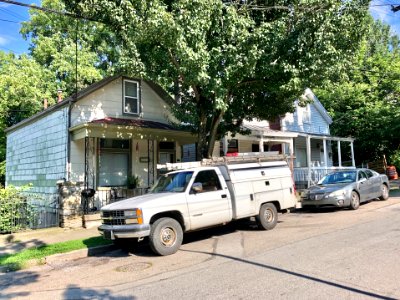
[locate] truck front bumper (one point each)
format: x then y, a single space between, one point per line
111 232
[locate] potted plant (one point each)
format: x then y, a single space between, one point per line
134 181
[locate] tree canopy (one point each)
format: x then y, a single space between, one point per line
231 60
365 103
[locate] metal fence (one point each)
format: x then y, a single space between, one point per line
104 196
28 212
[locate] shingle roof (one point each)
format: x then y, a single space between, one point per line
135 122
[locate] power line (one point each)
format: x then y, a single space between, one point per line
48 10
11 13
4 20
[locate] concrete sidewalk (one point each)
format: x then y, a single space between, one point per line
15 242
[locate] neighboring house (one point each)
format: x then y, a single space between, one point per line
115 128
303 134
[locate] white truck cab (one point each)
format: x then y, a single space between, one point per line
198 195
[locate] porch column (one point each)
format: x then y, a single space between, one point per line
308 149
353 162
339 154
325 154
291 153
261 143
225 145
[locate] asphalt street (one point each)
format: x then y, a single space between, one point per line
325 254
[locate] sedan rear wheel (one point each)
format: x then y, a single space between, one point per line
354 201
384 192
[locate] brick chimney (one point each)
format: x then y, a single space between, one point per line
59 96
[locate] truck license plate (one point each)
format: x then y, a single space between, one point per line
108 235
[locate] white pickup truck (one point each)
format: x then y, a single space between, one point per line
212 193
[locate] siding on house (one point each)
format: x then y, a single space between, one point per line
36 153
316 124
108 102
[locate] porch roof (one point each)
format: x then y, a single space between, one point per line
131 129
265 131
327 137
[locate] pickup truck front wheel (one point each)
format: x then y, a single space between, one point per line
268 216
166 236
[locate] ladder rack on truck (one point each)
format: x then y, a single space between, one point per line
248 157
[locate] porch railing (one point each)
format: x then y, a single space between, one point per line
302 179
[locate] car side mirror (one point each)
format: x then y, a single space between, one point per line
197 187
362 179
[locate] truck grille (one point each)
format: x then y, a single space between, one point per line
114 222
114 217
113 214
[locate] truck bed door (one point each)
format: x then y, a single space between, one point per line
211 204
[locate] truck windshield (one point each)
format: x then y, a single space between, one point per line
173 182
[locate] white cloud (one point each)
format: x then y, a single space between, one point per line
3 41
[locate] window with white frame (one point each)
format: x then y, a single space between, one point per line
131 97
306 114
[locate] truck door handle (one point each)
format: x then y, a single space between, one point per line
223 196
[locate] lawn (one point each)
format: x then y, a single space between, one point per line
36 255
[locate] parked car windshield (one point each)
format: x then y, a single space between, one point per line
173 182
339 177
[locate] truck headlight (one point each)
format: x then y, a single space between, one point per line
133 216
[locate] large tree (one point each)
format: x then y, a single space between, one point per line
24 84
230 60
75 51
364 101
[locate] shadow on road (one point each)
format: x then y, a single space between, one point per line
14 279
131 246
76 292
303 276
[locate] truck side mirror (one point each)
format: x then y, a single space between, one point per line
197 187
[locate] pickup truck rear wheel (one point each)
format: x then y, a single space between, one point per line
268 216
166 236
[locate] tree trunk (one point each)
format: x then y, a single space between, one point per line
201 151
213 133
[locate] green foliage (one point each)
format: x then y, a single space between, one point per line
365 102
15 211
14 262
394 159
134 181
228 61
54 41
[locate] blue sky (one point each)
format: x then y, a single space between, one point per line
11 16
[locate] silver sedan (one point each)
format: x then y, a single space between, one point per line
347 189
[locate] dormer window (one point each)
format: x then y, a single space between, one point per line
131 97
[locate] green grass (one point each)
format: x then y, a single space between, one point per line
36 255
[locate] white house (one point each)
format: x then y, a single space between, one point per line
303 134
115 128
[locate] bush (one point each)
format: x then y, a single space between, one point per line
15 211
394 159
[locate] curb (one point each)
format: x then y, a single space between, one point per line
78 254
64 257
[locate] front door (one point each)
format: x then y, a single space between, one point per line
210 203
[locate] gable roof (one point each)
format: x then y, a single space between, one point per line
88 90
308 93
